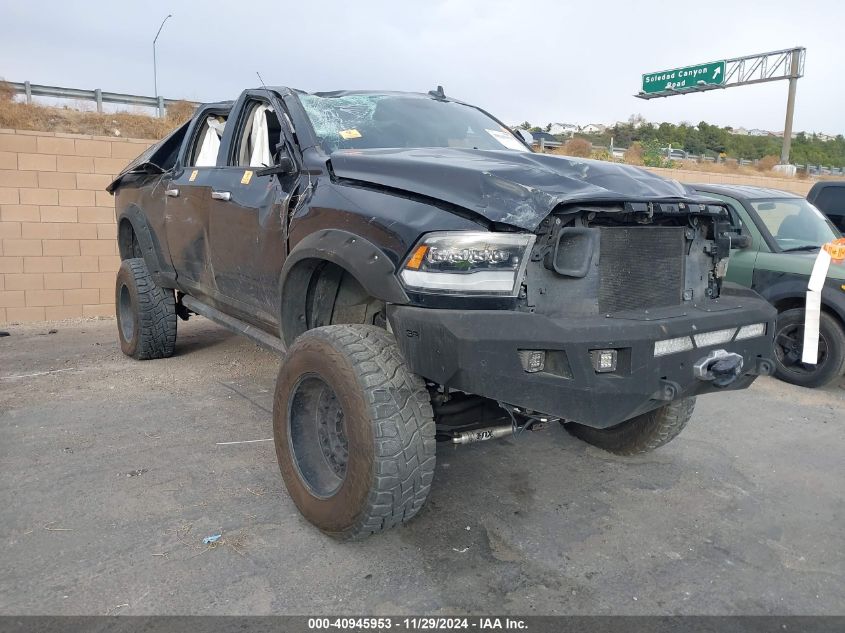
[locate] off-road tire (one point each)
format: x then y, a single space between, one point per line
641 434
387 421
830 330
146 314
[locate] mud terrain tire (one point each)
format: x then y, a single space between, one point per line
146 314
354 431
641 434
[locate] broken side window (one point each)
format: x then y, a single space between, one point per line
258 137
207 142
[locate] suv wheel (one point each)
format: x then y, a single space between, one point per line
641 434
146 314
354 431
789 344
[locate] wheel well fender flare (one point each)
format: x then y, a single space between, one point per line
359 257
794 296
133 217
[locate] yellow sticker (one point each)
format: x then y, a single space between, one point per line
348 134
194 175
247 177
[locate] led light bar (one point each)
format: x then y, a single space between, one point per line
714 338
493 281
751 331
705 339
673 346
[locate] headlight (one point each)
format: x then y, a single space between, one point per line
468 263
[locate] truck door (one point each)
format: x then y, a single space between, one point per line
188 195
247 212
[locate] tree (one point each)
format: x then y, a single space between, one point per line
713 140
636 120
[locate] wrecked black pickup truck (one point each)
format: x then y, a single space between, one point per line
428 278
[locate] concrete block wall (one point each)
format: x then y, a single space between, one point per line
58 243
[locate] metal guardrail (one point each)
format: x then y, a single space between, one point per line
98 96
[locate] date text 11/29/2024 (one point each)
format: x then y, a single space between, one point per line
416 623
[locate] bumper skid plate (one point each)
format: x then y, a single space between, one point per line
478 351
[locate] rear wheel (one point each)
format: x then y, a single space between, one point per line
146 314
641 434
354 431
789 346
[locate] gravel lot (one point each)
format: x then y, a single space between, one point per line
112 473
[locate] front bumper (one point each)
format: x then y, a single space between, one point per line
475 351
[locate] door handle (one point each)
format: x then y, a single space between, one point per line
173 193
221 195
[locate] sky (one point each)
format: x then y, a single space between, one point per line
535 60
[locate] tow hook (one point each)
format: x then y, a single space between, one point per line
720 366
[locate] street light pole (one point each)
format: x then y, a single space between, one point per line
155 71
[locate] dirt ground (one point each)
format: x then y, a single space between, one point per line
113 471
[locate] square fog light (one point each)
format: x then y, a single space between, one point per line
604 360
533 360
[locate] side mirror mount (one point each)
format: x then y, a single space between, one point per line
284 165
525 135
740 240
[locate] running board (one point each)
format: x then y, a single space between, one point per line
256 335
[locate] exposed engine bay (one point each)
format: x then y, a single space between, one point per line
609 259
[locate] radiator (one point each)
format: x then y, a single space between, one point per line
641 267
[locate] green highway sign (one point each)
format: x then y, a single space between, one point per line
683 79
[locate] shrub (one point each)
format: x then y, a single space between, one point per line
180 112
7 93
577 147
767 162
652 157
634 155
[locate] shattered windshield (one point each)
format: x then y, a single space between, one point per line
794 223
368 121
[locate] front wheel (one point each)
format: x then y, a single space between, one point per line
354 431
789 346
641 434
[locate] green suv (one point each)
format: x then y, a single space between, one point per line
780 236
